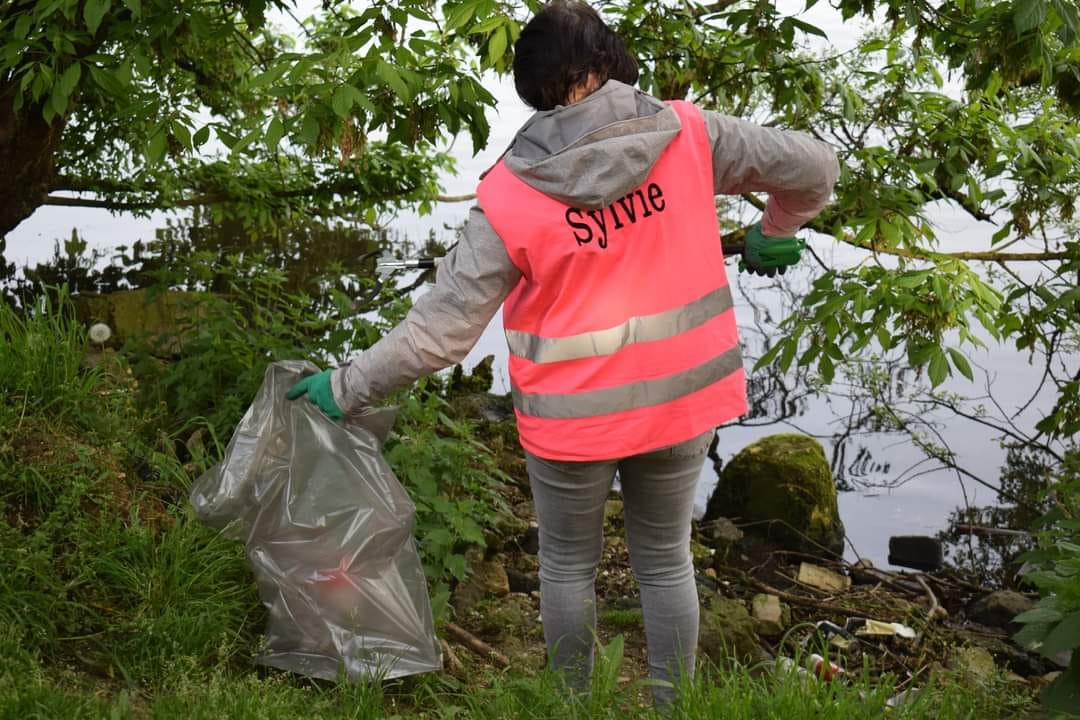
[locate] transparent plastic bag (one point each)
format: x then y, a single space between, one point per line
328 531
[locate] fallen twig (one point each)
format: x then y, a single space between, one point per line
477 645
808 602
936 612
453 664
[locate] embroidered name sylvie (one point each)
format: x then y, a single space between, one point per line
638 204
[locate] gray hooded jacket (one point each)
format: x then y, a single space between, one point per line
586 155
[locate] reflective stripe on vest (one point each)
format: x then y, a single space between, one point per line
644 328
621 330
633 395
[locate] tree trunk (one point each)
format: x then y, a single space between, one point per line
27 148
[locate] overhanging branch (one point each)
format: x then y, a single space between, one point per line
823 226
99 187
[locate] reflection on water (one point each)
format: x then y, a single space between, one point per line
991 553
303 251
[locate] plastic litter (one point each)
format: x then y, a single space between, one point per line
875 628
833 634
328 532
813 665
905 697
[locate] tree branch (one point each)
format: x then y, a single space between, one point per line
66 183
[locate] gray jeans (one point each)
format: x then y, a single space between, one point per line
658 500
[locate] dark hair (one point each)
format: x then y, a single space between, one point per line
558 49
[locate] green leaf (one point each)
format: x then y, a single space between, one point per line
243 142
342 101
108 81
181 133
22 26
309 130
461 15
1070 18
771 353
201 136
70 78
274 131
456 565
790 348
155 148
1064 636
961 363
94 12
808 28
1031 635
1039 614
497 45
390 75
1028 14
135 6
827 369
939 367
271 74
1063 695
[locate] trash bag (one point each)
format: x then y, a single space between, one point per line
328 531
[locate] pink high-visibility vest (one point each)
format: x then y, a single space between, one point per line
621 330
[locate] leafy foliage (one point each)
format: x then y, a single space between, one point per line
970 105
1053 626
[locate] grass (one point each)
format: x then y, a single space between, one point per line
116 603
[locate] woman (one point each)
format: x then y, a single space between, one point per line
597 232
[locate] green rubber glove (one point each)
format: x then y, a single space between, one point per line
764 255
317 389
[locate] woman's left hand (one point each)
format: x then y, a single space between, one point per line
317 389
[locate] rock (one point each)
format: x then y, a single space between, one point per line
529 543
134 313
823 579
1044 680
781 484
916 551
701 554
999 608
488 579
506 528
1007 654
727 631
862 572
520 582
720 532
973 665
768 615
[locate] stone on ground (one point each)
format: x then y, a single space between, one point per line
768 615
727 631
999 608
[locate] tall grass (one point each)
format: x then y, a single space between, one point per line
116 603
41 352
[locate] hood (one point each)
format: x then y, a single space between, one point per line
594 151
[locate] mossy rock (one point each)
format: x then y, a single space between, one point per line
132 314
781 487
727 632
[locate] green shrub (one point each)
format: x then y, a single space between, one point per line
1053 626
